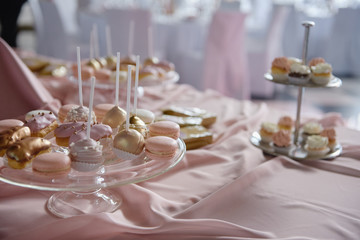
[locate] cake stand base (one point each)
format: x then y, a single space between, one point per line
69 204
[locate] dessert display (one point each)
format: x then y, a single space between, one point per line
160 147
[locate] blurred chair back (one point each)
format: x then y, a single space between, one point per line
225 61
119 23
20 90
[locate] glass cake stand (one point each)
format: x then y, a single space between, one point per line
297 151
80 193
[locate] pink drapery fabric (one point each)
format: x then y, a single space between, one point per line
20 90
226 190
225 61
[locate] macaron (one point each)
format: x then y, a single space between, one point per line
101 109
64 109
53 163
164 128
160 148
145 115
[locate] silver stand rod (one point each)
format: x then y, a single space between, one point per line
307 25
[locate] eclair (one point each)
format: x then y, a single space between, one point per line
21 153
11 135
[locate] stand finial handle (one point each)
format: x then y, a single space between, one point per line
307 25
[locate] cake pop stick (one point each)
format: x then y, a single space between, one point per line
108 40
96 41
79 75
91 48
131 37
90 107
128 99
117 78
136 82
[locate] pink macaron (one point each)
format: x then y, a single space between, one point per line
160 148
53 163
164 128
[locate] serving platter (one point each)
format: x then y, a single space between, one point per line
295 152
333 83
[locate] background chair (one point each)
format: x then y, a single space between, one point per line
20 90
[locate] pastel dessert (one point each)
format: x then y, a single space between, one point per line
22 152
42 124
128 144
11 135
195 136
114 117
64 131
280 67
151 61
267 130
33 113
145 115
293 60
54 70
137 124
164 128
52 164
317 145
330 133
316 61
299 74
321 73
285 123
80 114
128 60
182 121
311 128
102 75
64 109
160 148
93 63
149 74
86 155
35 64
282 141
9 123
97 132
101 109
165 65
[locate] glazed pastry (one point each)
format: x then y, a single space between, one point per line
160 148
54 70
182 121
282 141
11 135
35 64
66 130
86 155
195 136
137 124
128 145
21 153
164 128
42 124
321 73
330 133
267 131
280 67
114 117
207 118
97 132
285 123
101 109
80 114
64 109
316 145
51 164
299 74
33 113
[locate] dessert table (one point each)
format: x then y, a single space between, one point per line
226 190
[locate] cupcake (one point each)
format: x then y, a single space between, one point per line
331 135
267 131
282 141
299 74
317 145
285 123
280 68
321 73
86 155
310 129
315 61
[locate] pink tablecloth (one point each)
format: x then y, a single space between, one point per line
226 190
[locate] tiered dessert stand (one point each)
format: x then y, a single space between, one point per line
297 152
80 193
